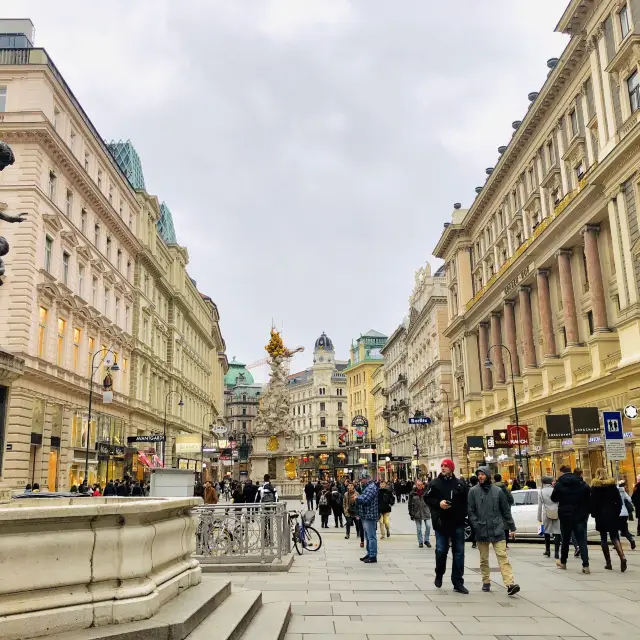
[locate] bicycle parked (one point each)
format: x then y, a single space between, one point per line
304 536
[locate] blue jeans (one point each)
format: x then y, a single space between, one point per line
370 535
456 539
427 530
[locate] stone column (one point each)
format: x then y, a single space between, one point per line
483 342
510 331
527 327
496 354
568 297
546 315
594 272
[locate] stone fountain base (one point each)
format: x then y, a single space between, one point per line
68 564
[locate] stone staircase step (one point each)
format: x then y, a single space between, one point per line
231 618
270 623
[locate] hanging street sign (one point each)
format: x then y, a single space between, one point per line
614 435
421 420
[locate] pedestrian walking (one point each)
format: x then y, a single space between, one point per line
309 494
626 514
419 512
606 504
324 507
110 490
267 492
349 508
210 494
473 481
369 513
447 500
397 487
386 500
497 480
249 491
548 518
336 507
404 491
573 497
531 484
635 499
137 489
489 512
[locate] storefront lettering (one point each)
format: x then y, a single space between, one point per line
516 281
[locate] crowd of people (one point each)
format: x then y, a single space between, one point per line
236 491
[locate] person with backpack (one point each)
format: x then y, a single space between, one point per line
386 500
324 506
548 518
336 506
266 493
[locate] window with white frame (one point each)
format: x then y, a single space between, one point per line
68 208
573 118
96 235
107 293
580 170
633 87
81 271
119 260
94 291
66 257
117 311
48 252
53 179
108 249
623 16
3 99
83 221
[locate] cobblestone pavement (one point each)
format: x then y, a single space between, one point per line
335 596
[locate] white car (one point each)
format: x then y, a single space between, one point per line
525 515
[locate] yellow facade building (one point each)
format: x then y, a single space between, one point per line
543 270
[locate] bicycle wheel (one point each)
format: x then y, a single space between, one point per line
312 539
296 539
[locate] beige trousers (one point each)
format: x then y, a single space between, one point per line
503 562
385 521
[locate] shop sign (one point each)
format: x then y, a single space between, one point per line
103 449
475 443
558 427
585 419
362 461
500 439
595 439
360 424
367 450
491 442
118 451
567 443
219 430
518 434
152 437
517 280
234 454
189 443
627 434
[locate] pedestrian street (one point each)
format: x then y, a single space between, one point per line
335 596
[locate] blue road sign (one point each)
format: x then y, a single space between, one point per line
420 420
612 425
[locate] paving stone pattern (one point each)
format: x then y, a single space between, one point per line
335 596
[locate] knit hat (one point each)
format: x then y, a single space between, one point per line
448 463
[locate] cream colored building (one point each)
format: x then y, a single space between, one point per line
319 413
87 273
546 261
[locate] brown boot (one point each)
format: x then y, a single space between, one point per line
623 561
607 557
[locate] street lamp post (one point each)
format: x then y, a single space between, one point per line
433 401
180 404
204 417
488 365
114 367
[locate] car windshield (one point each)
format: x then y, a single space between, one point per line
521 497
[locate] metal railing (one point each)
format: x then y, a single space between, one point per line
230 533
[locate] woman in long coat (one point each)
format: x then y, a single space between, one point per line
548 517
606 505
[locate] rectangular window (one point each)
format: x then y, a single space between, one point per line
117 318
65 267
52 185
48 252
92 346
99 178
323 423
3 99
573 117
107 292
68 208
96 236
340 423
119 260
80 279
94 291
72 140
590 322
551 153
633 86
110 194
86 161
126 318
340 392
322 391
77 335
62 324
322 406
624 21
83 221
339 403
108 250
128 270
42 331
580 170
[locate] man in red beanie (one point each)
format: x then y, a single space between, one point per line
447 499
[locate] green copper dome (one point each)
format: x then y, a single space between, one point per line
236 370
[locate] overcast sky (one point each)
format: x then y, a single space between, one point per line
310 150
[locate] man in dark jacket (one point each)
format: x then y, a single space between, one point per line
309 494
447 500
635 499
489 512
110 489
386 500
573 496
124 490
249 492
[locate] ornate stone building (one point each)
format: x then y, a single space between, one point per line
319 412
88 273
546 261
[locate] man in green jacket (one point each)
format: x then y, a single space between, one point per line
489 513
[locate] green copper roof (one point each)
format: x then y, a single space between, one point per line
128 160
237 369
165 225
